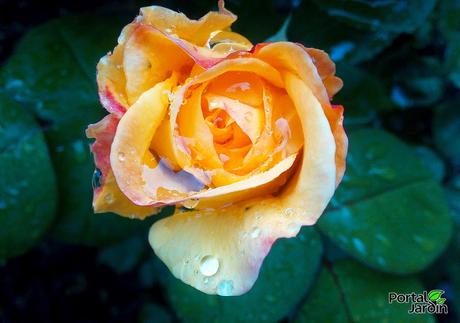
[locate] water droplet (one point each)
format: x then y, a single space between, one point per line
213 104
206 280
359 245
289 211
190 204
121 156
209 266
225 288
108 198
97 176
255 233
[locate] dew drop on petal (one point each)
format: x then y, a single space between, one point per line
209 266
190 204
255 233
108 198
289 211
121 156
225 288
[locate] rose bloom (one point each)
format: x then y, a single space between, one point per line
242 139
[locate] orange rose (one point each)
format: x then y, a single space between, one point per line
244 136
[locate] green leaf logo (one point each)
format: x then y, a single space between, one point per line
435 296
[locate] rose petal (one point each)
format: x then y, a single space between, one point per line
291 57
249 119
147 60
108 197
130 148
194 31
237 238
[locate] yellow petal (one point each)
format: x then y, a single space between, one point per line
132 140
147 60
108 197
250 119
293 58
111 199
191 124
237 238
195 31
219 252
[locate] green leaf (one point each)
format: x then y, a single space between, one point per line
449 25
419 82
432 161
362 95
125 255
52 73
323 296
316 28
350 292
446 130
286 275
257 19
392 16
27 181
452 255
387 201
281 34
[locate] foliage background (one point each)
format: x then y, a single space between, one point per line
393 225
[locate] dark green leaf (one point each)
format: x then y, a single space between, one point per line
285 277
395 16
446 129
27 181
449 25
387 201
281 34
125 255
350 292
316 28
53 73
418 82
257 19
362 95
431 160
323 296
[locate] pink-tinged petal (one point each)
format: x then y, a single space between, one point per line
108 197
109 102
194 31
103 132
220 251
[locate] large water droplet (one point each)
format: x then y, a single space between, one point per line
209 266
225 288
190 204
